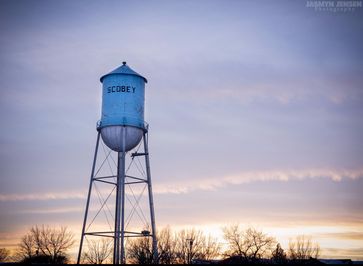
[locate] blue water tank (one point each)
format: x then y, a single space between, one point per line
123 97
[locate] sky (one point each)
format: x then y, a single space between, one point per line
255 111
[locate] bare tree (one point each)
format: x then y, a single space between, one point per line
193 244
98 251
188 245
279 255
166 246
27 248
49 243
303 248
139 250
4 254
249 244
210 248
173 248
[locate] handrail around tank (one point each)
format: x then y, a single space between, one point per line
145 127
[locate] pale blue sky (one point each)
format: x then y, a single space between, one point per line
243 93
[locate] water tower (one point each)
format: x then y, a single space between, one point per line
122 128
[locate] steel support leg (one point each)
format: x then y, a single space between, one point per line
116 239
122 174
151 200
88 199
120 206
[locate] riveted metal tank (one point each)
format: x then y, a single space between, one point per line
123 97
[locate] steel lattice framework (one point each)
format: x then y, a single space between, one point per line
119 181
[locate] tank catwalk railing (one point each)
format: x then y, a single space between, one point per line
145 126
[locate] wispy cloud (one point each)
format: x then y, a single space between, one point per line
55 210
43 196
341 253
213 183
355 235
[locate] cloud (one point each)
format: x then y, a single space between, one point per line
48 211
43 196
207 184
341 253
255 176
354 235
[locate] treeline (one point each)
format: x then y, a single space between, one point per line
43 244
239 245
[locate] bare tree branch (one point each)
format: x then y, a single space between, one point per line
4 254
302 248
98 251
249 244
46 241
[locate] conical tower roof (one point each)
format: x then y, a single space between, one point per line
125 70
